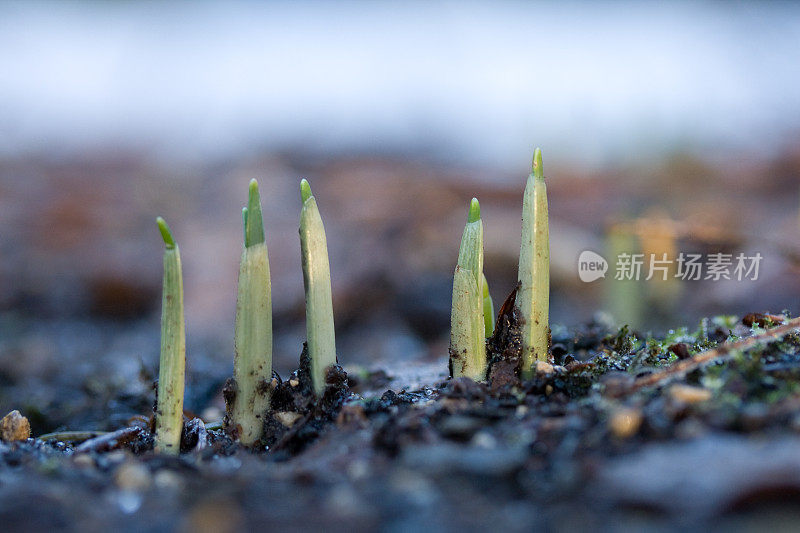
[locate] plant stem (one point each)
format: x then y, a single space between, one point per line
467 323
533 296
172 364
317 281
252 361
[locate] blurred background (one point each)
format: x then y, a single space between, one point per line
665 127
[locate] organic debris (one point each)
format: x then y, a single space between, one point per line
112 441
505 346
297 415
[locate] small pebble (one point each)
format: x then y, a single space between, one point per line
14 427
83 460
117 456
460 427
344 501
167 480
358 469
128 501
681 350
689 394
212 414
214 516
287 418
133 476
484 440
625 422
616 384
544 368
413 487
690 429
762 320
351 414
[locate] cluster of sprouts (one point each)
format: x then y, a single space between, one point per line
252 363
472 313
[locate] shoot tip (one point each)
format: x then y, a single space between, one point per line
253 191
474 211
166 234
253 221
305 190
536 168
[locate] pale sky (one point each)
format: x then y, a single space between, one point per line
479 81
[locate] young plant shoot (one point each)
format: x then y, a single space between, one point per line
317 280
533 296
468 326
172 365
252 362
624 298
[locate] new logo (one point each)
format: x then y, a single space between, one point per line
591 266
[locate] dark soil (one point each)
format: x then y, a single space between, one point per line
576 447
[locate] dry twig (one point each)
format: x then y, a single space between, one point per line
110 441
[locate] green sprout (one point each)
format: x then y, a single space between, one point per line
488 308
252 361
623 298
317 281
533 295
172 364
467 322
